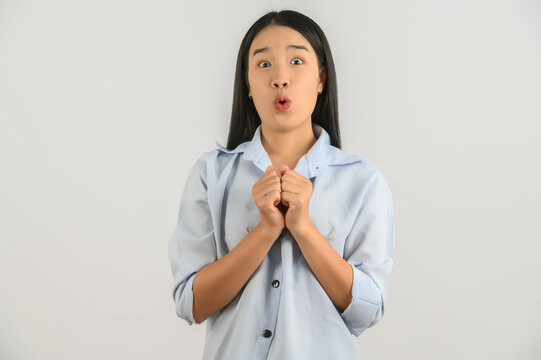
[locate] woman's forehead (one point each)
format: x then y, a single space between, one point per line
280 35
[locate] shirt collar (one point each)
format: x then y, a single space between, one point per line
313 163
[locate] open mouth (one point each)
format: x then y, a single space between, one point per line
282 103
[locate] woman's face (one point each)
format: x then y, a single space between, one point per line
283 70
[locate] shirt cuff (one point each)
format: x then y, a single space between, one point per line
185 305
365 303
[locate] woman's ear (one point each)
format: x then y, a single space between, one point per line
322 77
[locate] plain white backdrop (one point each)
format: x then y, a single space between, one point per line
106 105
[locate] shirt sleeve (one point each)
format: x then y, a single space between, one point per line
192 245
369 249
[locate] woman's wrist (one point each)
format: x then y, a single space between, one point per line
268 232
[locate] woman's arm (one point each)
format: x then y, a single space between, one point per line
333 272
218 283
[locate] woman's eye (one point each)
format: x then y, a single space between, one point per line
265 62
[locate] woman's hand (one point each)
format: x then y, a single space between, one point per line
296 193
267 195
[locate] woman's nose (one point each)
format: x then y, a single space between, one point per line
279 84
281 79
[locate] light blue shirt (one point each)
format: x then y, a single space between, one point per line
283 312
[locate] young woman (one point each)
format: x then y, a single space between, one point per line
284 242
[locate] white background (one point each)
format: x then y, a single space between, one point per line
106 105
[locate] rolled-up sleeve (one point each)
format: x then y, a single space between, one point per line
192 245
369 249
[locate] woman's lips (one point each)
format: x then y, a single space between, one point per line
282 103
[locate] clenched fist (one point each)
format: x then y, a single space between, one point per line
267 195
283 199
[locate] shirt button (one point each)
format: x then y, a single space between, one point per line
267 333
275 283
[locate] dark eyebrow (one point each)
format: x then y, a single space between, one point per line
257 51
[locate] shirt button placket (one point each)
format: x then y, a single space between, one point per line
266 334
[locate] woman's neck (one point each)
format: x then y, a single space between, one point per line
287 147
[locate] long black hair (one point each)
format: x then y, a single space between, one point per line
244 116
